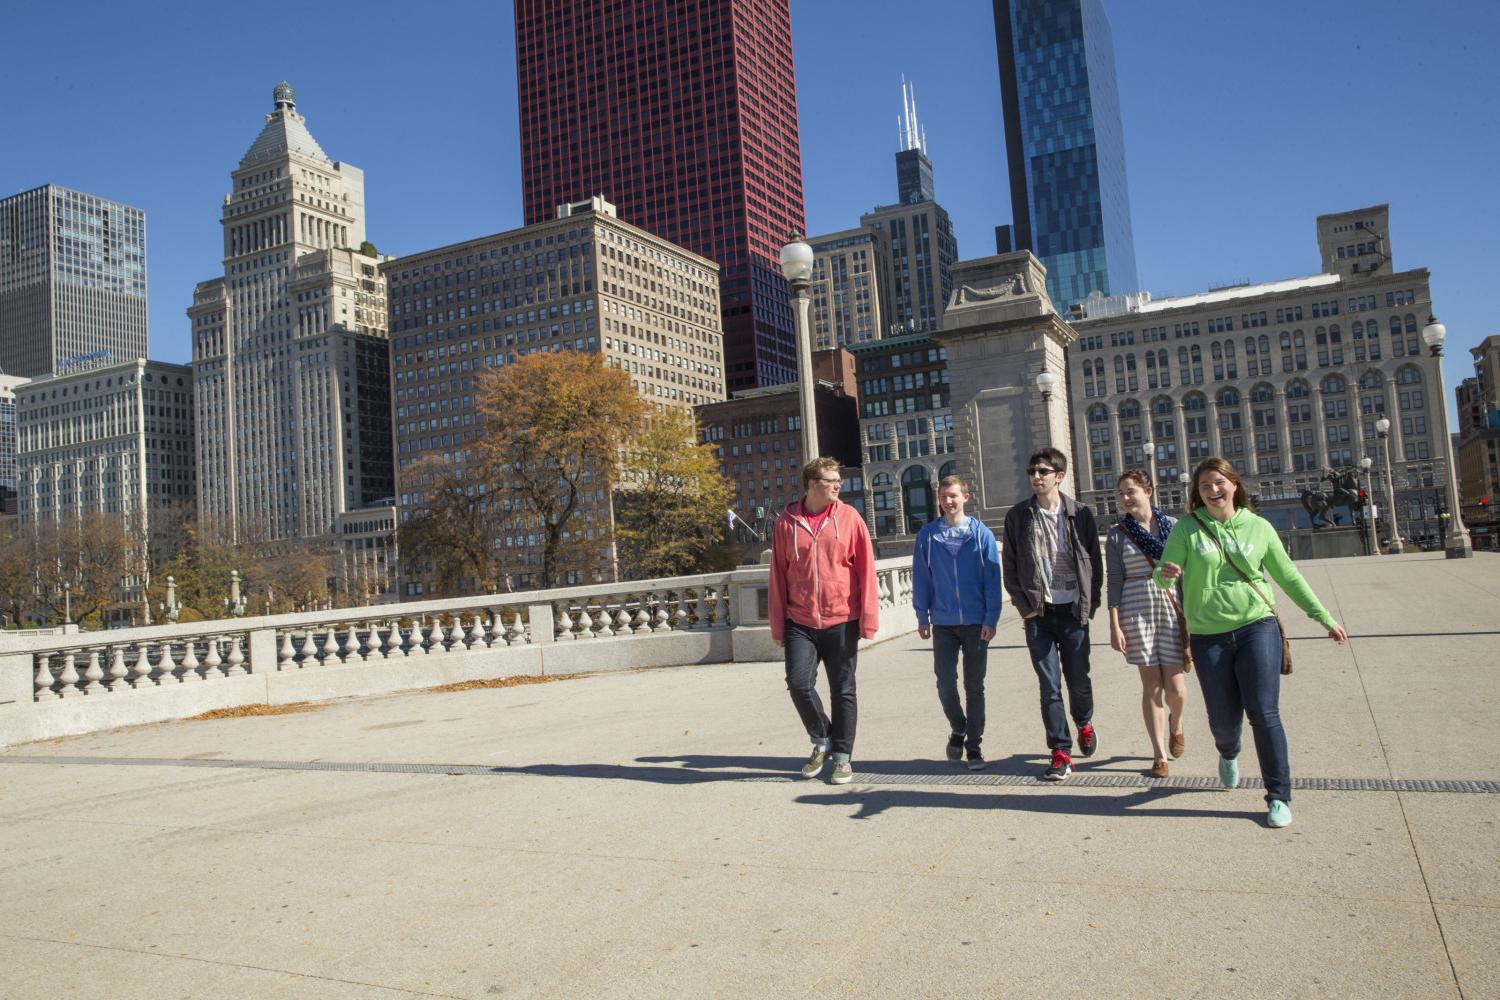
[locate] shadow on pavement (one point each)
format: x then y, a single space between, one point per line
873 803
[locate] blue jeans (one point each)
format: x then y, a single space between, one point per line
1240 674
947 641
838 648
1059 645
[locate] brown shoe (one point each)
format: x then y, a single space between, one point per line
1158 770
1176 744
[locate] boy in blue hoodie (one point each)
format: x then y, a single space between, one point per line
956 590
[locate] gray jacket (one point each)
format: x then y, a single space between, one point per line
1022 569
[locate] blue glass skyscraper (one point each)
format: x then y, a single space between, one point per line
1070 203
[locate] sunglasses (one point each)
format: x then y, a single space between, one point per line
1037 470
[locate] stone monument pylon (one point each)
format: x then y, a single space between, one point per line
1001 332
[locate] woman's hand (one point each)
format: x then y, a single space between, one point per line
1338 635
1171 571
1117 640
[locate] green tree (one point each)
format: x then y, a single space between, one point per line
555 426
671 512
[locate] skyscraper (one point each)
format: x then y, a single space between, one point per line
1070 204
72 280
920 234
684 115
291 363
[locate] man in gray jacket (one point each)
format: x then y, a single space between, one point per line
1054 576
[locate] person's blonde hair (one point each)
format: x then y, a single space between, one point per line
816 469
958 481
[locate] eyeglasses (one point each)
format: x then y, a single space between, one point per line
831 482
1037 470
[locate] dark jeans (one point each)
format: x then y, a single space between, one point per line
838 647
947 641
1240 674
1052 636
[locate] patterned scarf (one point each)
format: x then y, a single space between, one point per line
1153 542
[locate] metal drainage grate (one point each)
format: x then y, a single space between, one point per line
668 775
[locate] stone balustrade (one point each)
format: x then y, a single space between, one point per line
61 684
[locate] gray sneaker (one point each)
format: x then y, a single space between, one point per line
976 761
843 772
814 765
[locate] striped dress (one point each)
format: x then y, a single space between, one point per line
1147 616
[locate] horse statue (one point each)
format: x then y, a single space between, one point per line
1344 493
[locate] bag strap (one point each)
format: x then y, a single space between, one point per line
1243 575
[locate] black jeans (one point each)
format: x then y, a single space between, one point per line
1052 636
947 641
838 647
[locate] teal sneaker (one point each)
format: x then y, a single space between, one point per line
1278 815
843 772
814 765
1229 772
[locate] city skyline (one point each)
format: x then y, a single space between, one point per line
1290 113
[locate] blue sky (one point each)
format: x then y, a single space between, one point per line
1242 123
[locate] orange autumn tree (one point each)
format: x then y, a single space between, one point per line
555 426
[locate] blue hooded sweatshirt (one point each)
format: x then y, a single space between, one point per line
956 588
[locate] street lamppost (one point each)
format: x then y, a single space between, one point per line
67 603
171 608
1150 447
1458 545
1364 466
1383 429
797 265
1183 479
1045 381
235 602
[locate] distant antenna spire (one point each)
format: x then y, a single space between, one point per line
913 135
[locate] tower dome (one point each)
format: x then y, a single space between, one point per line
285 97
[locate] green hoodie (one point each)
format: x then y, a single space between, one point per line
1217 599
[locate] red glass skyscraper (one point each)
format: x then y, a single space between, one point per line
683 113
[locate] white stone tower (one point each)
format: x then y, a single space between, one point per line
281 440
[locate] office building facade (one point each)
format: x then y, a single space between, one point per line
850 288
1284 379
8 442
290 346
114 439
685 116
1065 147
583 281
72 281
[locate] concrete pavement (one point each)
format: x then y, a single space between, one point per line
641 834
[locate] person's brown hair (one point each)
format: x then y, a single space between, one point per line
958 481
1139 478
1052 457
1241 494
816 470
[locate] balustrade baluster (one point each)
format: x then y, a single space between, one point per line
599 621
456 635
721 606
377 642
395 648
44 680
92 675
212 662
661 621
190 662
330 655
513 630
358 650
286 653
701 607
679 611
622 620
140 672
68 679
435 645
416 648
236 659
564 625
476 631
640 621
117 668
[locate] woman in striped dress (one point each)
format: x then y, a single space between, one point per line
1145 621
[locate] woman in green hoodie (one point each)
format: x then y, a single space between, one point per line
1235 637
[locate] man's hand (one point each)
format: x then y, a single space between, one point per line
925 631
1171 571
1338 635
986 633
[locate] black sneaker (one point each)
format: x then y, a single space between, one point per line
1088 741
956 747
1060 768
976 761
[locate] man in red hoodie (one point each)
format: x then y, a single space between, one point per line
823 600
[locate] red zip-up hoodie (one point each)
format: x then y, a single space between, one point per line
824 578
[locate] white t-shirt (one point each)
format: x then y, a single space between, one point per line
1059 574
